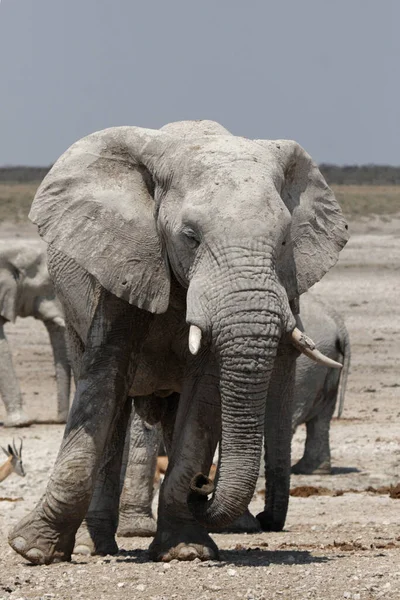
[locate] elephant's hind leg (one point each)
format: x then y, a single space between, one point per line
317 453
96 535
141 448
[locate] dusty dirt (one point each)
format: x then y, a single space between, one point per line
335 545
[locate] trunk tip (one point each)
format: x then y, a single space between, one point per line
201 485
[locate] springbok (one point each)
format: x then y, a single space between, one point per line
13 463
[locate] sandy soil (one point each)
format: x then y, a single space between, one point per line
333 546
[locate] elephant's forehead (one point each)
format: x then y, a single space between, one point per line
211 151
225 161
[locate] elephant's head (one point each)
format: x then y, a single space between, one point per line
245 226
25 286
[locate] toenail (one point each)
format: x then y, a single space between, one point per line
187 553
35 555
18 543
82 550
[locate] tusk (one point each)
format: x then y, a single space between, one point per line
306 346
59 321
194 339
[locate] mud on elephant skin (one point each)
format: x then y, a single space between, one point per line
157 239
26 291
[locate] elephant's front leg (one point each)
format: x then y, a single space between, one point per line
108 365
9 387
277 441
96 535
196 434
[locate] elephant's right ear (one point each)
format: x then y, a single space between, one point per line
96 206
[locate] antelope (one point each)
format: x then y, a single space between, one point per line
162 466
13 463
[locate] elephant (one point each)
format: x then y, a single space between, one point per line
178 255
26 291
318 388
316 392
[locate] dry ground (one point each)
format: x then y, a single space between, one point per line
345 546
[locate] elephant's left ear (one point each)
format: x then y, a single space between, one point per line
318 228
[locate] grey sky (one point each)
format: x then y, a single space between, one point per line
323 73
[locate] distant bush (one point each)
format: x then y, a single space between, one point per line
342 175
22 174
361 174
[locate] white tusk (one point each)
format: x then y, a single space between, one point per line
59 321
194 339
306 346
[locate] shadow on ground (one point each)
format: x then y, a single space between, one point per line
255 557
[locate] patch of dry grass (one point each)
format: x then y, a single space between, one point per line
16 200
356 200
363 200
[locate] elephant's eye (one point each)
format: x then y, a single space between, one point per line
191 237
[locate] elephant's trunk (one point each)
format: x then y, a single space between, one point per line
246 342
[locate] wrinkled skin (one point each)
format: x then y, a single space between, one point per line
315 396
150 232
26 291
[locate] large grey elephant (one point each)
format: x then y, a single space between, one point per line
316 392
160 240
26 291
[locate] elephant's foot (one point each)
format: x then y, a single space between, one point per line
17 418
182 541
312 467
95 538
244 524
39 542
268 523
140 525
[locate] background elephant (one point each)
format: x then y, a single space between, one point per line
26 291
318 387
315 396
160 240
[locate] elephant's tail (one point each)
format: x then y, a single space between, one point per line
345 349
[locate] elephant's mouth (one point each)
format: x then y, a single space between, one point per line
298 338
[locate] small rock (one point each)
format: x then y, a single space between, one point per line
346 595
231 572
121 584
290 559
140 587
166 566
211 587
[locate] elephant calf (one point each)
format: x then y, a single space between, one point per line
315 396
26 291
